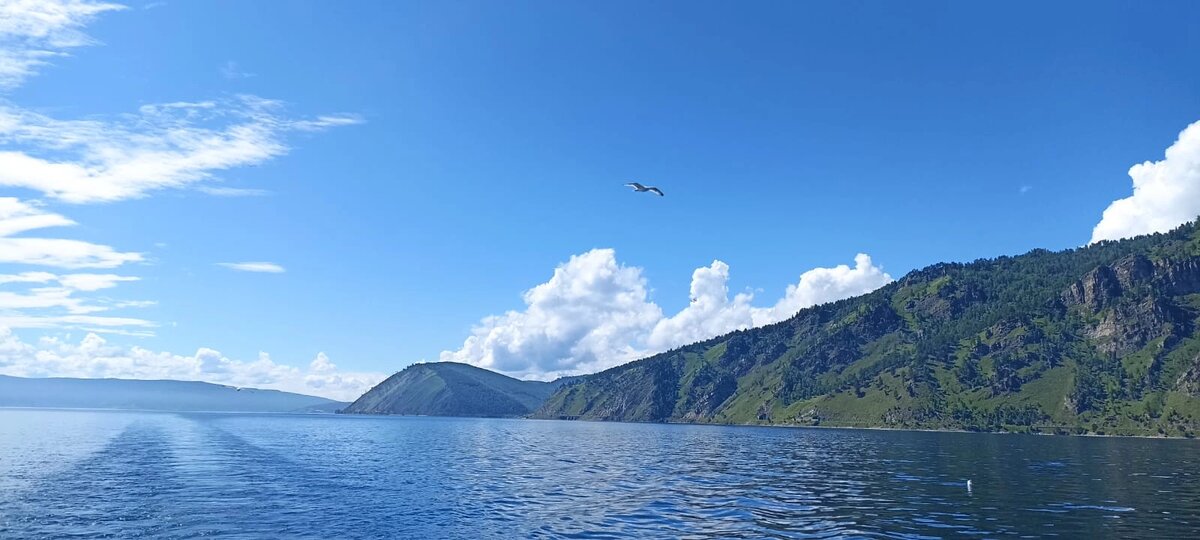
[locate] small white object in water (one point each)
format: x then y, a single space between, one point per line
968 485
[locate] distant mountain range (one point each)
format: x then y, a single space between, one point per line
153 395
1100 339
453 389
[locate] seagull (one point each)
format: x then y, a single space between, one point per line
642 189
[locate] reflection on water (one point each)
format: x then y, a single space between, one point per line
126 475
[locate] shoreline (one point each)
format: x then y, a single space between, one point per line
713 424
876 428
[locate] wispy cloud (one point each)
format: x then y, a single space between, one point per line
93 282
105 159
47 300
222 191
1024 189
26 277
162 146
71 321
253 266
32 32
231 70
18 217
595 313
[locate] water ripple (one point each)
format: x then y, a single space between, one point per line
136 475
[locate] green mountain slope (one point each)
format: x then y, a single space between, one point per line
452 389
1099 339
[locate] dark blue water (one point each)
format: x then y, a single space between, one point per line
82 474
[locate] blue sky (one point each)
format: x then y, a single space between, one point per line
423 164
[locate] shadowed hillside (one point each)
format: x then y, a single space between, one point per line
453 389
153 395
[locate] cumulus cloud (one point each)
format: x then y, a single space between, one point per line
595 313
588 316
94 357
32 32
255 266
17 217
1166 193
821 285
711 312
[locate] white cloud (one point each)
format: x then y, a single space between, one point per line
94 357
62 253
175 145
34 31
17 217
231 70
57 306
223 191
46 297
163 146
588 316
257 266
1166 193
60 306
711 312
595 313
82 322
27 277
821 285
93 282
326 122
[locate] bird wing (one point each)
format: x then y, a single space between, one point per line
655 190
636 186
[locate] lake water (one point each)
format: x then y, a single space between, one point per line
89 474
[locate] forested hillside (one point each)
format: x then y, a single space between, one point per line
1101 339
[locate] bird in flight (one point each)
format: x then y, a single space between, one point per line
642 189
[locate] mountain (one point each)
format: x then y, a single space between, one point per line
1102 339
453 389
152 395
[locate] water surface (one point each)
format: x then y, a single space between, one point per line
90 474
